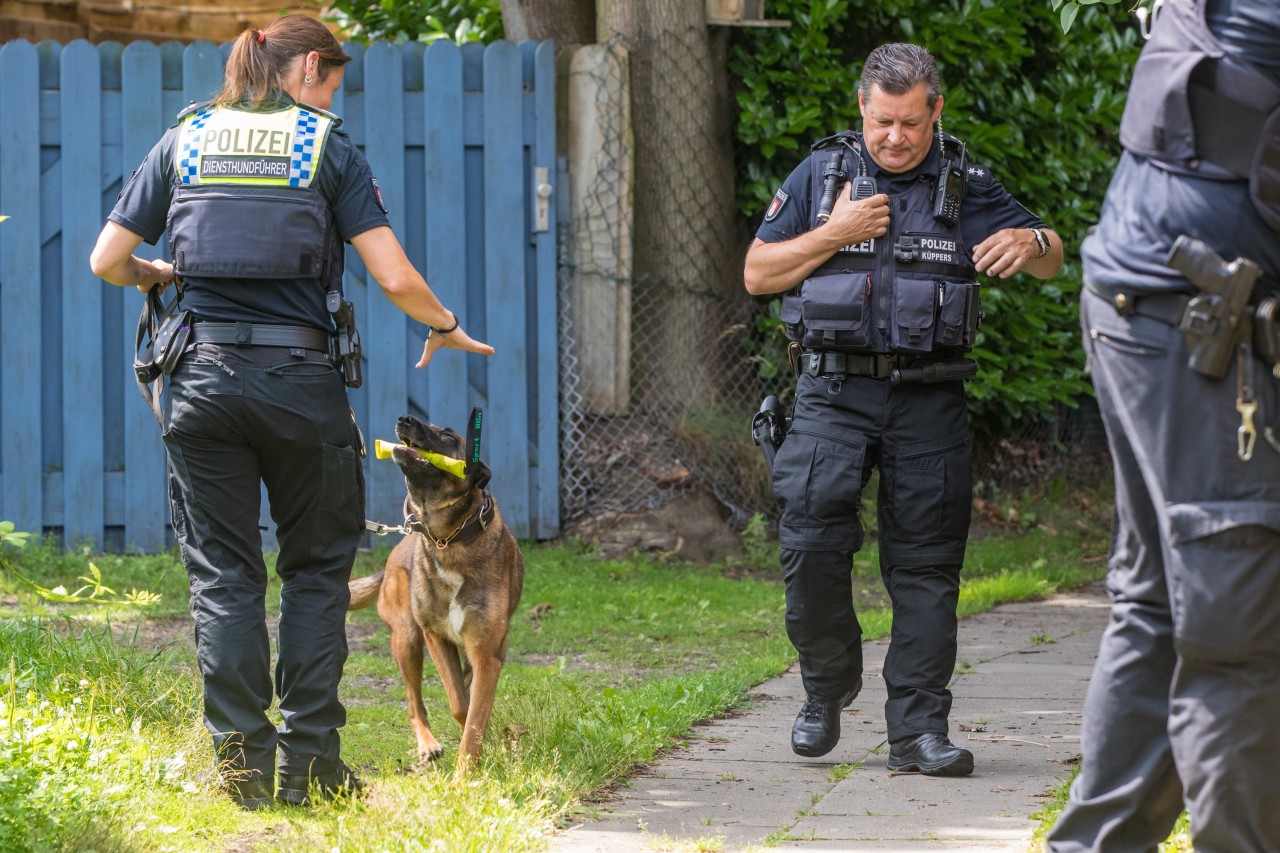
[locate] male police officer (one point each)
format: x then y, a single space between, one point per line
881 295
1184 704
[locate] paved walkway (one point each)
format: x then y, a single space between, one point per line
1018 693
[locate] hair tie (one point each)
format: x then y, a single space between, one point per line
261 36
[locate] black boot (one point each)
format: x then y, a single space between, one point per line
931 754
249 789
302 789
817 728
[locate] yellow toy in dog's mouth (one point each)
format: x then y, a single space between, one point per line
456 467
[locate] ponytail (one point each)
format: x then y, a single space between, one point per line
259 59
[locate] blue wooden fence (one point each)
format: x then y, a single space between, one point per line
454 136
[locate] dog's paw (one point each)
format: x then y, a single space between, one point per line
428 753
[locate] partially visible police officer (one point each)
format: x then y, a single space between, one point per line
1184 705
259 189
881 293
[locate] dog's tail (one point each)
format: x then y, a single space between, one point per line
364 591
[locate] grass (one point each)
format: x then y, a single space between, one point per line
610 663
1179 840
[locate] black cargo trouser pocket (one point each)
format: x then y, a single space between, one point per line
817 479
926 501
342 495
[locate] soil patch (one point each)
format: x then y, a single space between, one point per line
156 634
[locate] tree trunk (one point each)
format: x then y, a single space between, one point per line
687 257
566 21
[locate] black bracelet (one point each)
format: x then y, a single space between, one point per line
448 330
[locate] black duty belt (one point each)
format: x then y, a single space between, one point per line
873 365
260 335
1168 308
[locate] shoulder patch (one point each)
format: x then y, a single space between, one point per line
780 199
978 174
377 194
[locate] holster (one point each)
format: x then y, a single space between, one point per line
167 333
170 332
346 343
769 428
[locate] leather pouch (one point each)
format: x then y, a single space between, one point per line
170 331
172 337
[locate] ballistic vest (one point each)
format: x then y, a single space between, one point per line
1193 105
244 204
912 291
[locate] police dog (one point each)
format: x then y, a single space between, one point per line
453 582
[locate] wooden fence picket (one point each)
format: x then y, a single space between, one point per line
453 134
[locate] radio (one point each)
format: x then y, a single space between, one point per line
950 189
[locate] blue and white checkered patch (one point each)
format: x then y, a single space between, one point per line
302 163
189 158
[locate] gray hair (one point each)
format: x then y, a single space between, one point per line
897 69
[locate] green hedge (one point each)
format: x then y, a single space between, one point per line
1042 109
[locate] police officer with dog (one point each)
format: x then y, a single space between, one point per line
876 240
259 190
1182 333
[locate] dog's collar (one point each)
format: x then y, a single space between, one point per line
469 529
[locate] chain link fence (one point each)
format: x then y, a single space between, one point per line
634 438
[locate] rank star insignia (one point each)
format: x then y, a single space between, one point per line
977 171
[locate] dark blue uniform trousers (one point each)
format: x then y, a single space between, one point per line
235 418
918 437
1184 702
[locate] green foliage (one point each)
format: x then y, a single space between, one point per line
9 536
43 749
93 584
1042 110
1069 9
74 705
419 20
761 551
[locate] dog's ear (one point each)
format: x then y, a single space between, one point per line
478 474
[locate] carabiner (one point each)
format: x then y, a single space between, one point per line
1147 18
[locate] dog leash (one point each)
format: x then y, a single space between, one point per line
380 529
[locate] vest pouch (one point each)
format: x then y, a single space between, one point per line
834 311
915 306
790 315
972 314
248 232
953 299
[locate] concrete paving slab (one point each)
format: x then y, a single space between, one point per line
737 784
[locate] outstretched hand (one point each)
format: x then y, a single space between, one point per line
457 339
